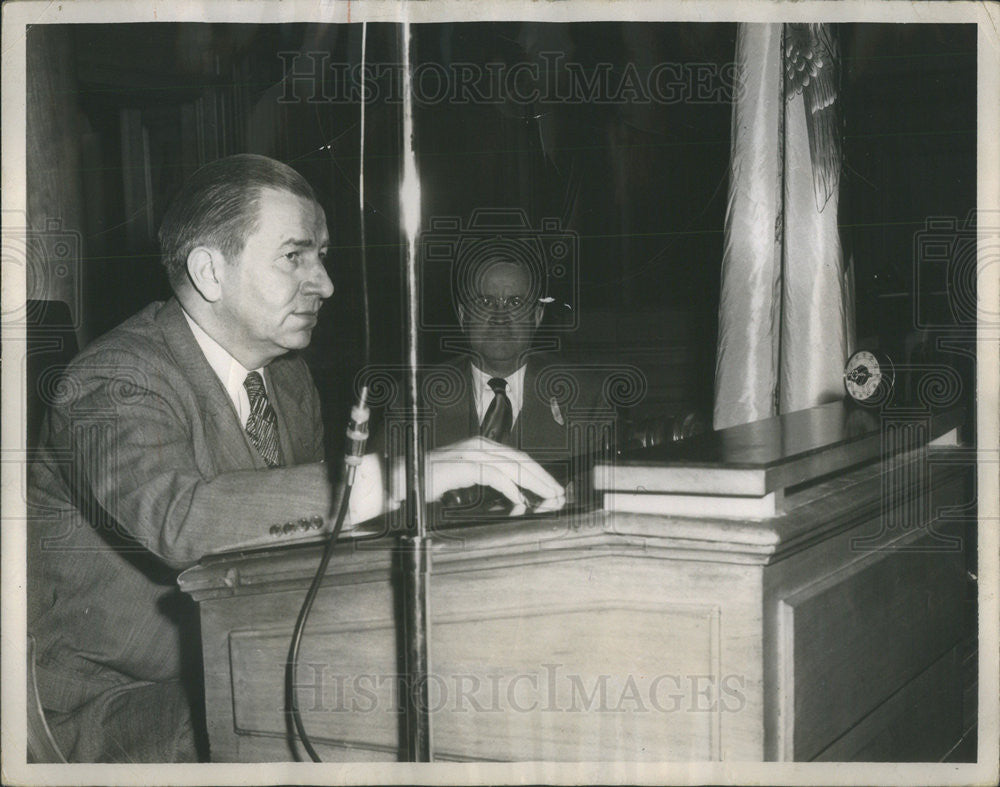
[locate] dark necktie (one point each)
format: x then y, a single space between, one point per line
262 424
499 417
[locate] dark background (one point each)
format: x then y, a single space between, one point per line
120 114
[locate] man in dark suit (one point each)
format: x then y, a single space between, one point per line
191 428
533 402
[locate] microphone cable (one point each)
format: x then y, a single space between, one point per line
357 436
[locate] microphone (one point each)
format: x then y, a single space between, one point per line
354 451
357 436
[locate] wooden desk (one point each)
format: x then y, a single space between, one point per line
829 631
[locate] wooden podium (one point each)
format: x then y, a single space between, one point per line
829 628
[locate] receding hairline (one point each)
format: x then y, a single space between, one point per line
492 262
260 189
255 202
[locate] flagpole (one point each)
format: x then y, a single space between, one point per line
414 543
782 161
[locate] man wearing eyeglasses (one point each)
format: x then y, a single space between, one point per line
507 393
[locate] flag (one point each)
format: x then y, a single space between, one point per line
817 304
746 365
786 304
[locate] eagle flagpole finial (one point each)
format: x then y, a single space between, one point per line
811 55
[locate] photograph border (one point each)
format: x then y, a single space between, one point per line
17 16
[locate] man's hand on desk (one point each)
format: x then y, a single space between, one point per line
468 463
505 469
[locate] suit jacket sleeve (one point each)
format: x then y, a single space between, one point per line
131 461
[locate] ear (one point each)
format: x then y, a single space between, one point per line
539 313
203 267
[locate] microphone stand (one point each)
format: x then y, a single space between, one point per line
414 543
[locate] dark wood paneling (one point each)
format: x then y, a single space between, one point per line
863 633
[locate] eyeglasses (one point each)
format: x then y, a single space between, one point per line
495 304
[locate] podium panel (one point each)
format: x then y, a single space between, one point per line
827 631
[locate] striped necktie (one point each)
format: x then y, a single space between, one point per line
499 417
262 424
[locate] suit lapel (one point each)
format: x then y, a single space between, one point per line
526 414
471 413
516 429
286 399
227 439
456 420
536 425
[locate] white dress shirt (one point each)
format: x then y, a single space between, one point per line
231 373
484 395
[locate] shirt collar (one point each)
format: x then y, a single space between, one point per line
482 390
231 373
